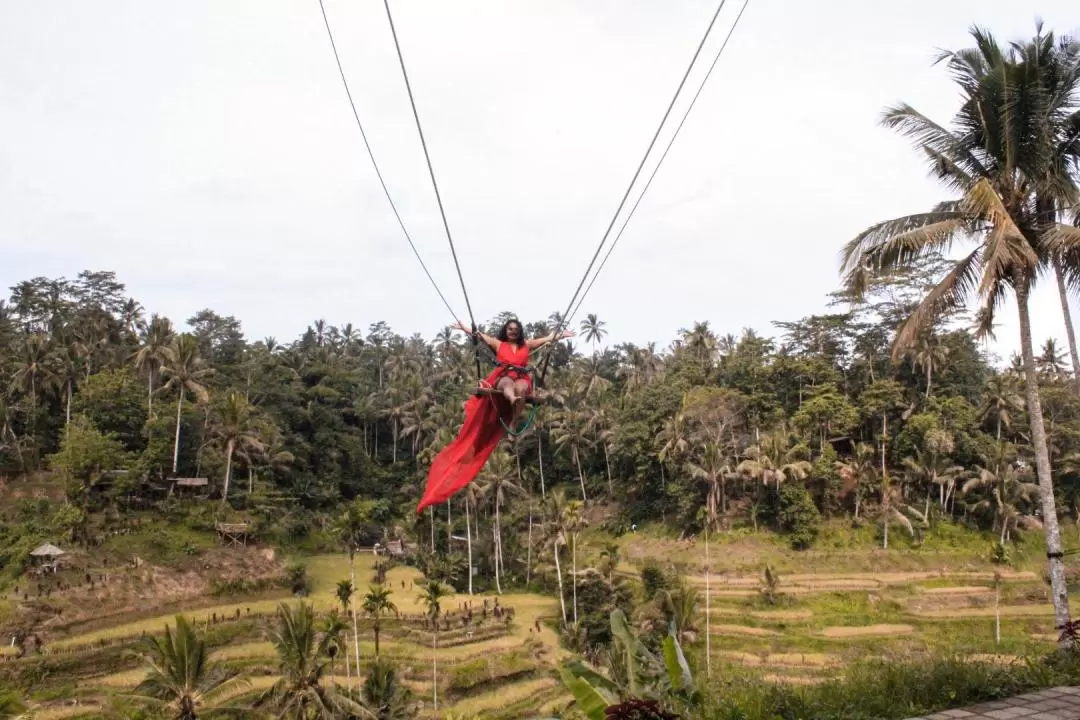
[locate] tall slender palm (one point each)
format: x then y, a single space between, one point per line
236 430
861 470
1006 489
377 603
431 596
497 480
186 372
593 330
302 692
344 593
990 164
1002 401
1051 360
557 522
930 354
713 466
349 529
153 353
33 373
567 435
181 682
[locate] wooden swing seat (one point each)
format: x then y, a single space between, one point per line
492 392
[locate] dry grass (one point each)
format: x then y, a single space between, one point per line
742 630
860 631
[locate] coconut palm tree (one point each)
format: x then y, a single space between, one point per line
995 170
557 523
237 431
384 695
153 354
860 469
1051 360
302 692
1001 401
33 374
567 435
186 372
349 529
181 682
431 596
772 461
344 593
377 603
592 330
496 481
336 631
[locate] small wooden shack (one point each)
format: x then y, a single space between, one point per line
233 533
46 558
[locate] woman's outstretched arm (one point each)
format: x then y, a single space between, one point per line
491 342
540 342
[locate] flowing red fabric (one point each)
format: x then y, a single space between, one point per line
460 461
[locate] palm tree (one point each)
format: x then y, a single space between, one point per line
376 604
929 353
1006 489
186 372
1051 361
237 431
153 354
861 469
600 425
557 525
592 330
349 529
1001 401
384 695
575 522
497 478
567 435
33 373
772 461
302 692
431 597
713 468
181 681
997 172
344 593
334 629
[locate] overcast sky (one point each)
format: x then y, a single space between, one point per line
205 151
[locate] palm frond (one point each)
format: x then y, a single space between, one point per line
953 291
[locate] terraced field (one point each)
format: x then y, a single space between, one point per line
811 629
493 667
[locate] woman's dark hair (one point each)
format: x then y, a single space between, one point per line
503 337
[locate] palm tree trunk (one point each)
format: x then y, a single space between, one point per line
150 393
528 552
176 443
468 541
228 472
708 594
376 630
348 671
1069 333
929 371
435 666
540 458
1058 590
581 475
607 466
496 537
449 528
558 575
67 416
573 555
352 607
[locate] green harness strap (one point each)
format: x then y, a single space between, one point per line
525 425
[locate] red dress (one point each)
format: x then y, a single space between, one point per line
460 461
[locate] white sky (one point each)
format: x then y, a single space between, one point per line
205 151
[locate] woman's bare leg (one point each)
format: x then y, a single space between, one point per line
506 387
521 389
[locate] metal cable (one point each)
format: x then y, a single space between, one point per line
378 173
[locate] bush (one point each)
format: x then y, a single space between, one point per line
797 516
297 579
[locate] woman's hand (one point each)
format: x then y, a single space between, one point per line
567 334
462 328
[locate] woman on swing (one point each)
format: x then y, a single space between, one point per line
512 349
485 422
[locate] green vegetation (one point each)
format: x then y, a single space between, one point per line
866 486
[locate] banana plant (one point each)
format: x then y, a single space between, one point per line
652 682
